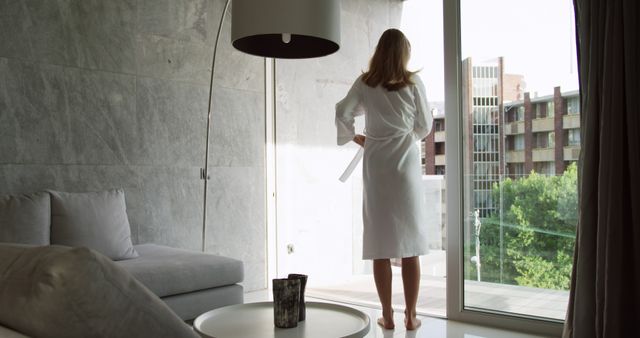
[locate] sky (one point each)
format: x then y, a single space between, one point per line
535 37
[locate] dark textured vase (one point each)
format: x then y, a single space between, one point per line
303 283
286 302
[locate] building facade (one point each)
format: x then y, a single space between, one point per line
433 158
542 134
509 133
481 105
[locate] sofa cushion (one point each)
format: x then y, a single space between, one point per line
97 220
25 218
168 271
6 332
56 291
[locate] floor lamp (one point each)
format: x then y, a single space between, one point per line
288 29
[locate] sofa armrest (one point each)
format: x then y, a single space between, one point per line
6 332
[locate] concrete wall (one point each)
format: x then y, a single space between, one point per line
98 94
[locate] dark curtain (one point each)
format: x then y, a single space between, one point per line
605 287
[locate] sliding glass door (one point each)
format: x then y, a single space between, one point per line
516 113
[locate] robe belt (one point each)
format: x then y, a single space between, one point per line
390 137
358 157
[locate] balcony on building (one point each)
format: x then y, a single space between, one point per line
571 153
571 122
514 156
438 125
543 155
542 124
543 114
514 118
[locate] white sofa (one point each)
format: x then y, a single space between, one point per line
189 282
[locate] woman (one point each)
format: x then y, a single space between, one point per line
394 104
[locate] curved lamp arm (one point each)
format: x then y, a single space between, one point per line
204 173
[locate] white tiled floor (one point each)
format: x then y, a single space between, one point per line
361 290
431 327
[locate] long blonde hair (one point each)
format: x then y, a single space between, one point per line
388 65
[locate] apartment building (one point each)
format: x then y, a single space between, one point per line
509 132
481 106
433 158
542 134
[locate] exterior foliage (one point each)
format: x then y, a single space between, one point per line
539 215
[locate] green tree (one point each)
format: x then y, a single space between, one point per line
539 216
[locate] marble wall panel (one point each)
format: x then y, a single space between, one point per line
380 14
100 34
101 105
32 30
168 208
60 115
172 44
235 219
175 39
13 35
172 59
235 69
6 99
237 132
355 41
33 111
188 20
170 123
91 34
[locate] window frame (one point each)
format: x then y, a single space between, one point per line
455 193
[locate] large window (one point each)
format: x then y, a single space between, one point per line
520 114
544 140
545 168
515 142
573 137
520 198
515 170
515 114
538 111
573 105
550 108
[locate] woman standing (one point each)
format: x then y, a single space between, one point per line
393 101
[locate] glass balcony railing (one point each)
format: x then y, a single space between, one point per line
518 258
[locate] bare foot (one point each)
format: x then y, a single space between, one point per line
386 324
411 322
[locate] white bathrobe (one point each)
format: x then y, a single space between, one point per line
394 205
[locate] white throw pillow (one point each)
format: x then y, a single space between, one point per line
25 219
97 220
56 291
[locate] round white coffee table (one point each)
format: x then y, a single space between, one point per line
253 320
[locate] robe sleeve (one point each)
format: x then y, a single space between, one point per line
346 111
423 119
